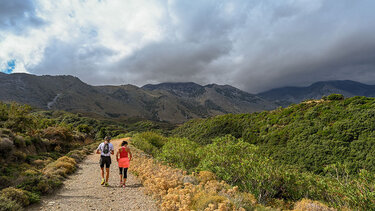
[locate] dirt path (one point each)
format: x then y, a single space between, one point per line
82 190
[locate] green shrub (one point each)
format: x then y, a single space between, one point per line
17 195
149 142
5 181
19 156
41 184
84 128
19 118
181 153
32 197
60 134
122 135
6 147
240 163
7 204
78 155
334 97
19 142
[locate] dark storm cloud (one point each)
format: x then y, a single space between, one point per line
18 15
253 45
330 43
201 36
173 61
75 58
275 45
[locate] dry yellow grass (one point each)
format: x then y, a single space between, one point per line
62 166
165 184
309 205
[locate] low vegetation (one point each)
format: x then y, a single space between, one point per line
39 149
316 150
311 135
317 155
176 190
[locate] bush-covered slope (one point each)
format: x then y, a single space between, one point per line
311 135
320 150
38 149
241 164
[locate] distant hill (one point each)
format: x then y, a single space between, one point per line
213 99
172 102
288 95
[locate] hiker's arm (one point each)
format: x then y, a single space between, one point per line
130 155
117 156
112 150
97 150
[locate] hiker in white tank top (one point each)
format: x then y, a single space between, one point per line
105 149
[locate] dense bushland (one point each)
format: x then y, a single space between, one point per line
311 135
32 149
240 163
320 150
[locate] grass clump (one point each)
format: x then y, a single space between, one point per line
62 166
203 200
7 204
17 195
205 176
309 205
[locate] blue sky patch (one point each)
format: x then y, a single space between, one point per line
11 65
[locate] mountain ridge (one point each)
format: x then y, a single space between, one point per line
174 102
285 96
171 102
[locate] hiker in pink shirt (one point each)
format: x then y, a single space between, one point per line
123 157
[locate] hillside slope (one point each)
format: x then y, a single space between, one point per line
322 150
310 135
150 102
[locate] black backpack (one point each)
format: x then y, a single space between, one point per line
106 148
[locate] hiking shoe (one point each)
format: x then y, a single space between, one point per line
103 181
106 184
123 185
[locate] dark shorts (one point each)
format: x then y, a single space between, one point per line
105 160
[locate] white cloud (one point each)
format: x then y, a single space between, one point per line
121 26
254 45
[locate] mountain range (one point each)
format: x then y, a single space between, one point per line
170 102
287 95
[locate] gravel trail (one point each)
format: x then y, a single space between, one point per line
82 190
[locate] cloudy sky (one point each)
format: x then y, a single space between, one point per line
254 45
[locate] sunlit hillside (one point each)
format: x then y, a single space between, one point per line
320 150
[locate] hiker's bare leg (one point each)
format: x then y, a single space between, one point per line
107 174
102 172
